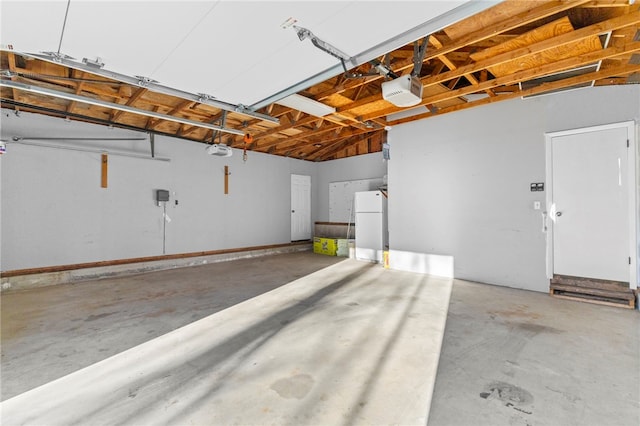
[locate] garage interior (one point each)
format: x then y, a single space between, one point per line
168 170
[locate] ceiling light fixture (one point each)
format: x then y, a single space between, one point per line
119 107
307 105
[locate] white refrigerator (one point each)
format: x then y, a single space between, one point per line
371 225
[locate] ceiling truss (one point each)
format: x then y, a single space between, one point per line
514 49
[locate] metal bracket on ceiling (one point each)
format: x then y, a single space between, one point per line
241 108
429 27
146 82
384 69
57 57
94 63
419 52
304 33
216 133
203 97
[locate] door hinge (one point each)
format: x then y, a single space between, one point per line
627 143
629 260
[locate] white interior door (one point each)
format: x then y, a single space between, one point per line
590 204
300 207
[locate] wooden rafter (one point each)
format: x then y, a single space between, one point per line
132 100
543 11
526 75
545 87
501 53
182 105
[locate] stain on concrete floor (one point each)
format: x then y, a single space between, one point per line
296 387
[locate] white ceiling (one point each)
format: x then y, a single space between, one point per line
236 51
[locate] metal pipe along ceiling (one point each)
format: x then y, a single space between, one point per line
125 108
150 84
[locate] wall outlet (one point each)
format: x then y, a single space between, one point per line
536 205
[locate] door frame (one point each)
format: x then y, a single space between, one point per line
633 211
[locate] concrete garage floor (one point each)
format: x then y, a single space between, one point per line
349 344
514 357
52 331
352 343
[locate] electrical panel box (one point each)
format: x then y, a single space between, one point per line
162 195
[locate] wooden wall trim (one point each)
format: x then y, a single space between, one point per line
61 268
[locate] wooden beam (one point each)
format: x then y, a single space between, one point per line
545 87
564 39
11 57
600 28
188 131
226 179
543 11
327 150
332 148
79 87
303 121
552 68
338 134
182 105
133 99
443 58
104 165
296 116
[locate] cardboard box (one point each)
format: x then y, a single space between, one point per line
328 246
343 248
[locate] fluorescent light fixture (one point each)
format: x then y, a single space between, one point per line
407 113
471 97
306 105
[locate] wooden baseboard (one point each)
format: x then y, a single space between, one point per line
71 267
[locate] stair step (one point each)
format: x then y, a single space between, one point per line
603 292
625 295
590 283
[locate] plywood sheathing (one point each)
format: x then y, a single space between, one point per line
489 18
545 32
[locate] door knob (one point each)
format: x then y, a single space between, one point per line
558 214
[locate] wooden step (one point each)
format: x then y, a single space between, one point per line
590 283
602 292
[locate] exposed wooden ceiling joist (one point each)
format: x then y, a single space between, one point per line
488 56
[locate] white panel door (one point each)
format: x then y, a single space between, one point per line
590 204
300 207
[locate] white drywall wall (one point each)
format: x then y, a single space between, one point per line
369 166
54 211
459 183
